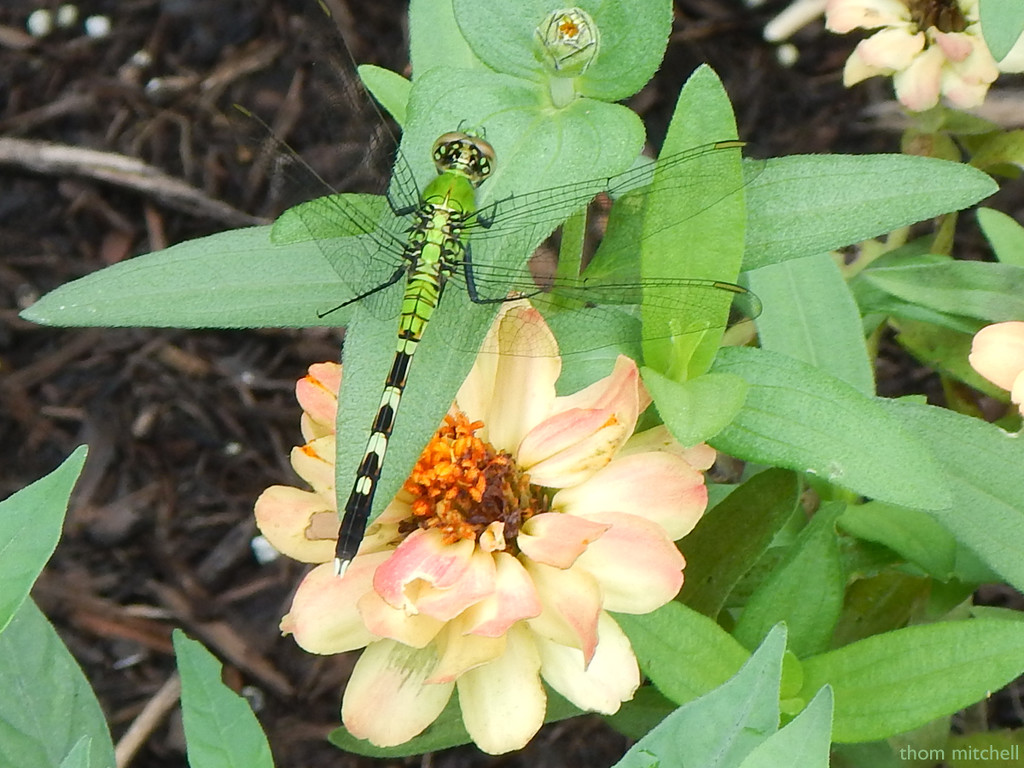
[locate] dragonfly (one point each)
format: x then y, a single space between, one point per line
421 241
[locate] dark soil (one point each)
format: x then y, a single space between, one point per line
186 428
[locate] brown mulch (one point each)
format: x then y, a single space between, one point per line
186 428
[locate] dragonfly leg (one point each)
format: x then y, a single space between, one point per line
398 275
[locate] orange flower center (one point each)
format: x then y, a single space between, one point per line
944 15
461 485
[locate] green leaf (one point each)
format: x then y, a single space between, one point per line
673 632
980 465
915 535
890 683
945 350
389 88
1004 234
716 558
702 115
435 40
804 205
47 707
698 409
1002 23
315 220
724 726
633 39
798 417
803 743
236 279
30 523
805 590
1002 152
990 292
881 603
221 730
809 314
79 756
640 714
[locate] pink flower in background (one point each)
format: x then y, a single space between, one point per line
997 353
526 520
931 48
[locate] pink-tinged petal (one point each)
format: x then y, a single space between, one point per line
843 16
961 93
661 487
571 601
569 447
503 703
556 539
459 652
918 86
638 567
891 49
997 353
422 559
323 617
416 630
610 678
966 83
291 520
387 700
317 393
957 46
475 583
516 390
659 439
621 391
514 598
314 463
700 456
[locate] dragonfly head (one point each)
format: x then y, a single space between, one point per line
465 154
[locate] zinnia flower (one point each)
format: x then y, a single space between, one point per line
997 353
931 48
526 520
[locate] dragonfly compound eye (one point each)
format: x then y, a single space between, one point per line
464 153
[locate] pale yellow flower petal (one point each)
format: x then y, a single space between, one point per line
638 567
610 678
285 517
513 390
314 463
997 353
661 487
405 626
503 702
323 617
918 86
846 15
461 651
387 700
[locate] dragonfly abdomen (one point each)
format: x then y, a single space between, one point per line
435 249
432 253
